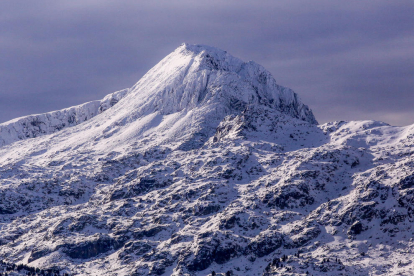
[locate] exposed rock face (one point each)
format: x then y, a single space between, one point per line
92 248
355 229
206 164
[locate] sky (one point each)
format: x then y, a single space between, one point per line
347 60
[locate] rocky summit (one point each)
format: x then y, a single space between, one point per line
206 166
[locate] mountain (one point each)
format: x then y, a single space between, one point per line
206 164
194 82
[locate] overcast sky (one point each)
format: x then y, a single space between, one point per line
347 60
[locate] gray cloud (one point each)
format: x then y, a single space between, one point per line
348 60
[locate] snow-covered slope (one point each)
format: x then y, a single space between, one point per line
47 123
206 164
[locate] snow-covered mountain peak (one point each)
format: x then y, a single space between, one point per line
199 76
210 57
187 93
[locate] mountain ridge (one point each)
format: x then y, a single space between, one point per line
179 90
47 123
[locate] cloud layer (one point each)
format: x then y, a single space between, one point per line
348 60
